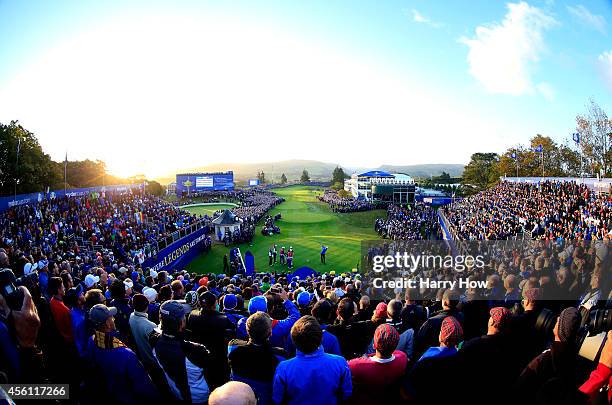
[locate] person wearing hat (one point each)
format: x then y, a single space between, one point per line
230 309
182 361
303 302
312 376
213 329
281 329
490 358
422 384
116 376
558 363
153 308
290 257
374 375
254 361
323 253
91 281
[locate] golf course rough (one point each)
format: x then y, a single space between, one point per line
306 224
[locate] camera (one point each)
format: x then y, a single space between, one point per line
9 289
592 335
545 322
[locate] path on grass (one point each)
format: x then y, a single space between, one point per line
306 224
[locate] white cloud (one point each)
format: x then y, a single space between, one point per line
595 21
420 18
605 67
501 55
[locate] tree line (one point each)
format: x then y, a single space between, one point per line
585 153
26 168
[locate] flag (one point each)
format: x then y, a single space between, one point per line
576 138
514 156
538 148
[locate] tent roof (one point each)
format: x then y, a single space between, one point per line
227 217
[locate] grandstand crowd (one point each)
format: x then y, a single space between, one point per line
345 204
550 210
121 333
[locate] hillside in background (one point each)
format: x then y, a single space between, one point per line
317 170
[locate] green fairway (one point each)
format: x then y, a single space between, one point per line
306 224
209 209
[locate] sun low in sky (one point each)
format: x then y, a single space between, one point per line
155 87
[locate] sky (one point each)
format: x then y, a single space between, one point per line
154 87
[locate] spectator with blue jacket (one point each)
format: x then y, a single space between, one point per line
117 376
313 376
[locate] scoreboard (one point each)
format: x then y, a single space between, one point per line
188 183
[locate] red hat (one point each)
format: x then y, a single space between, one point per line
500 316
532 294
386 338
381 311
203 281
451 331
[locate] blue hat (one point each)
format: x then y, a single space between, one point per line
172 311
303 298
258 303
229 301
135 276
99 313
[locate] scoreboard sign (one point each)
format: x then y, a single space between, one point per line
189 183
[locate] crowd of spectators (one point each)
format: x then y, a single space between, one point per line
346 204
414 222
549 210
140 336
104 228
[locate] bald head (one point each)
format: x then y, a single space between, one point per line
233 393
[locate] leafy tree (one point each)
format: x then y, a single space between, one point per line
261 177
481 171
595 129
34 170
283 179
305 178
338 175
337 186
153 187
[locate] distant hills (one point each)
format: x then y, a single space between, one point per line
316 169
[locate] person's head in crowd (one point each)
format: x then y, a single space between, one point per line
162 277
303 299
233 393
140 303
150 293
102 277
128 284
177 289
117 290
450 299
208 301
56 287
394 309
230 302
4 260
380 313
74 298
364 302
346 309
386 339
332 296
510 282
247 293
93 297
322 311
567 325
191 299
498 320
451 332
66 279
165 293
91 281
172 317
259 327
102 318
411 296
530 299
307 334
258 303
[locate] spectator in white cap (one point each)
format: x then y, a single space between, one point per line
129 286
91 281
153 309
29 268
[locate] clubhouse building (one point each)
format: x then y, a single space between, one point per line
378 186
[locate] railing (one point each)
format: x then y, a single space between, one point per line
181 233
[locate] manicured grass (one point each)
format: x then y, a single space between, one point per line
209 209
306 224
